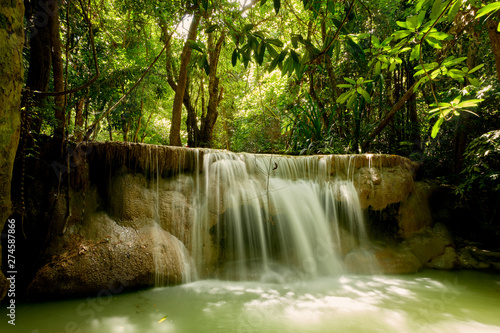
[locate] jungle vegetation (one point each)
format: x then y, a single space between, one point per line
417 78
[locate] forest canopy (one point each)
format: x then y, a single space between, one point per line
415 78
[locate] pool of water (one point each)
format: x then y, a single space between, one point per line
430 301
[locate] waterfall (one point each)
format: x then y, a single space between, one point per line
277 218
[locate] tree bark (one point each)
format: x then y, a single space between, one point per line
175 128
57 73
79 119
192 120
495 41
11 72
215 94
40 56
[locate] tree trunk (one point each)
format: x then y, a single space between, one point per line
79 119
40 57
11 72
57 73
215 95
175 129
495 41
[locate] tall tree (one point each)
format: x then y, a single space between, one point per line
175 129
11 72
57 72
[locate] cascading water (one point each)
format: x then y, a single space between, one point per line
276 218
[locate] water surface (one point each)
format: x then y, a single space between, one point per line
430 301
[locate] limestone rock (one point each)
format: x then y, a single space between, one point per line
176 215
132 260
414 212
397 261
130 198
429 243
448 260
379 187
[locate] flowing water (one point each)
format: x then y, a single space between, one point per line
430 301
273 241
277 216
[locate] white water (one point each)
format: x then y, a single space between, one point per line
276 217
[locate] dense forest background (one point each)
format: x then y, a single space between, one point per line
414 78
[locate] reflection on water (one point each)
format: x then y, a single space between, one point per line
432 301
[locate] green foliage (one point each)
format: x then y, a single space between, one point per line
482 165
309 133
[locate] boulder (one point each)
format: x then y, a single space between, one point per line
397 261
429 243
132 259
448 260
414 213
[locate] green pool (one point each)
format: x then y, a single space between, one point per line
430 301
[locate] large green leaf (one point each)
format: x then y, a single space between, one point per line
277 6
234 57
436 127
490 8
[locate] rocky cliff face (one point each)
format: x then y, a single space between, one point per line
124 215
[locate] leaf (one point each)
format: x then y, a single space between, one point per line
474 82
234 57
436 9
295 57
275 42
248 27
277 6
415 53
470 103
271 50
343 85
401 34
378 67
343 98
476 68
488 9
351 100
261 50
262 2
375 42
453 62
434 42
454 10
195 45
435 128
206 66
412 23
330 6
439 35
162 320
456 74
350 80
211 28
421 17
365 95
402 24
